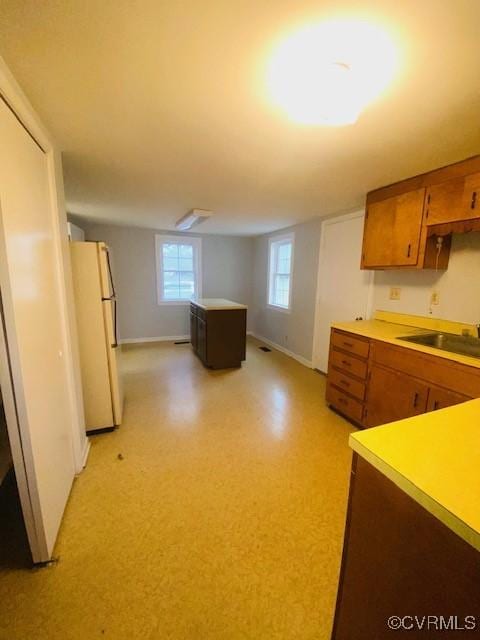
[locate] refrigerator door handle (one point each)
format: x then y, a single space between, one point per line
112 286
114 302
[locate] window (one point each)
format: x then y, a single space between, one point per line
280 271
178 269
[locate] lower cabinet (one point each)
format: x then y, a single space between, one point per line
399 560
393 396
193 330
218 336
371 382
442 398
202 340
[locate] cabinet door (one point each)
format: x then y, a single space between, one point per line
378 234
445 202
193 331
393 396
407 228
202 339
440 398
471 197
392 231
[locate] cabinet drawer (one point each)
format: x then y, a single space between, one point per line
347 384
350 343
348 363
197 311
351 408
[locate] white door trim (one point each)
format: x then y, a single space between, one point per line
321 261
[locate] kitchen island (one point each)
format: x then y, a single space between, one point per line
218 330
412 536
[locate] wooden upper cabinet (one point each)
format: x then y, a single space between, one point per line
403 220
393 229
454 200
471 197
445 202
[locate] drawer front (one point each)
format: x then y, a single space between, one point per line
348 363
351 343
197 311
349 407
347 384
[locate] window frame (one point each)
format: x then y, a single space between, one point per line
196 243
272 241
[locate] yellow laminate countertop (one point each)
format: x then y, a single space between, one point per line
435 459
390 332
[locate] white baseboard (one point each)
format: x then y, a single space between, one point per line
86 451
158 339
278 347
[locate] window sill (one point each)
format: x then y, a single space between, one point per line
274 307
173 303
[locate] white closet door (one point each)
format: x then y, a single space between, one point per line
29 281
343 290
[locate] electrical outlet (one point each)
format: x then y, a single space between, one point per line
395 293
435 298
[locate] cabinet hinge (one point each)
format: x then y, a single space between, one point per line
426 214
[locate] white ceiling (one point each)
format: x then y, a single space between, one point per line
160 106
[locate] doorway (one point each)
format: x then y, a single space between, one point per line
344 292
14 547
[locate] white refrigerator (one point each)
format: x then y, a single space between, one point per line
96 311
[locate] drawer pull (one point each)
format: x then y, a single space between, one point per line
346 363
348 344
343 401
435 405
474 200
344 383
415 400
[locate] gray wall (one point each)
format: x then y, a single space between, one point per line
227 273
294 329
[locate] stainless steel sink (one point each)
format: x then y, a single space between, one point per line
465 345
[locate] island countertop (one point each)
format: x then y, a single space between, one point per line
435 459
217 304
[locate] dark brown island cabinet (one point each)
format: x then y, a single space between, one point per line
218 331
404 573
411 556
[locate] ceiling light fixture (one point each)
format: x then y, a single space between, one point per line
192 218
326 73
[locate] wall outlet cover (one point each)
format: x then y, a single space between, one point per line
395 293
